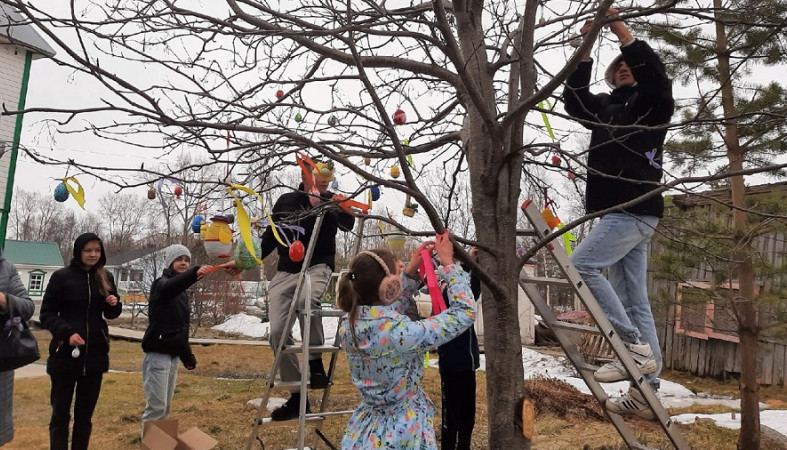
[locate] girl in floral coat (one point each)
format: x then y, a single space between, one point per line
385 348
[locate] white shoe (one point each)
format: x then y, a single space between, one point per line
631 404
614 371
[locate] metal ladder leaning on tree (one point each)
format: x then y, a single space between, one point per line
572 279
315 418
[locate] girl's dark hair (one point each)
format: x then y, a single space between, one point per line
361 284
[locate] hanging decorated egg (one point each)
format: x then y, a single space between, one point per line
555 160
151 194
217 237
406 141
399 118
178 191
334 184
367 160
245 260
571 175
333 121
61 192
196 223
298 117
279 93
395 171
375 190
297 251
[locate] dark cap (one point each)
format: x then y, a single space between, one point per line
80 243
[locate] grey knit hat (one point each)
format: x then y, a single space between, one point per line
174 252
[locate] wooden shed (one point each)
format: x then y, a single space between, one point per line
697 331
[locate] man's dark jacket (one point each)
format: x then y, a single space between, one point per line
626 126
460 354
73 304
168 309
294 208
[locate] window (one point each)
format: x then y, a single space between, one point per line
36 282
703 312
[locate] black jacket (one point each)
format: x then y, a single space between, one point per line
294 208
169 312
619 169
460 354
73 304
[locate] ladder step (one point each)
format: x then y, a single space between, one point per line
325 312
311 419
546 281
314 349
287 385
575 327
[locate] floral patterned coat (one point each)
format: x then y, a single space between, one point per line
387 362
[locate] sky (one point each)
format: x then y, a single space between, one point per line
672 395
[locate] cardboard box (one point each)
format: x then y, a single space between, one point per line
163 435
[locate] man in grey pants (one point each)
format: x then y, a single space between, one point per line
296 213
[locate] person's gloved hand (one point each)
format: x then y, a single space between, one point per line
189 361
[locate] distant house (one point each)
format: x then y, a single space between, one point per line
135 270
35 261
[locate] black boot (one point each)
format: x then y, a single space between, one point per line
318 379
289 410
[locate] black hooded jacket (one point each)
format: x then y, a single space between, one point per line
294 208
460 354
73 304
168 330
627 131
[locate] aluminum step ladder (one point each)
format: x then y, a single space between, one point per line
315 418
572 279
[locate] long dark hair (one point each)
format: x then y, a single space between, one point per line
104 285
361 284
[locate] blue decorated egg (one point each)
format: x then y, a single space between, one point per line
196 223
375 193
61 192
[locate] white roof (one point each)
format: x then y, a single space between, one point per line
16 29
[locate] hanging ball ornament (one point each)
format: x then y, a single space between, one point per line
178 191
395 171
298 117
279 93
399 118
297 251
61 192
555 160
333 121
571 175
196 223
375 190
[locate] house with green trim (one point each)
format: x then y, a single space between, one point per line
35 262
20 44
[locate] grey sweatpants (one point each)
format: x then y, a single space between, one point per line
281 292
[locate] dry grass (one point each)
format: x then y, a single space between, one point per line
214 398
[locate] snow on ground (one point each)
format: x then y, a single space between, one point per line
253 326
672 395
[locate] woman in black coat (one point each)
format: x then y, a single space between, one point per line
77 299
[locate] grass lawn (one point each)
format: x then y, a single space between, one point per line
214 396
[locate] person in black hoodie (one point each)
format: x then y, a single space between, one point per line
76 301
458 360
297 211
628 128
167 337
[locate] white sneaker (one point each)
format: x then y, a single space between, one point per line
631 404
614 371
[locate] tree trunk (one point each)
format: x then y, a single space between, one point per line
495 173
745 310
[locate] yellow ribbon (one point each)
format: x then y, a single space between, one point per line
79 195
568 238
382 230
244 223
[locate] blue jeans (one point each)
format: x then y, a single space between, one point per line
619 242
159 372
